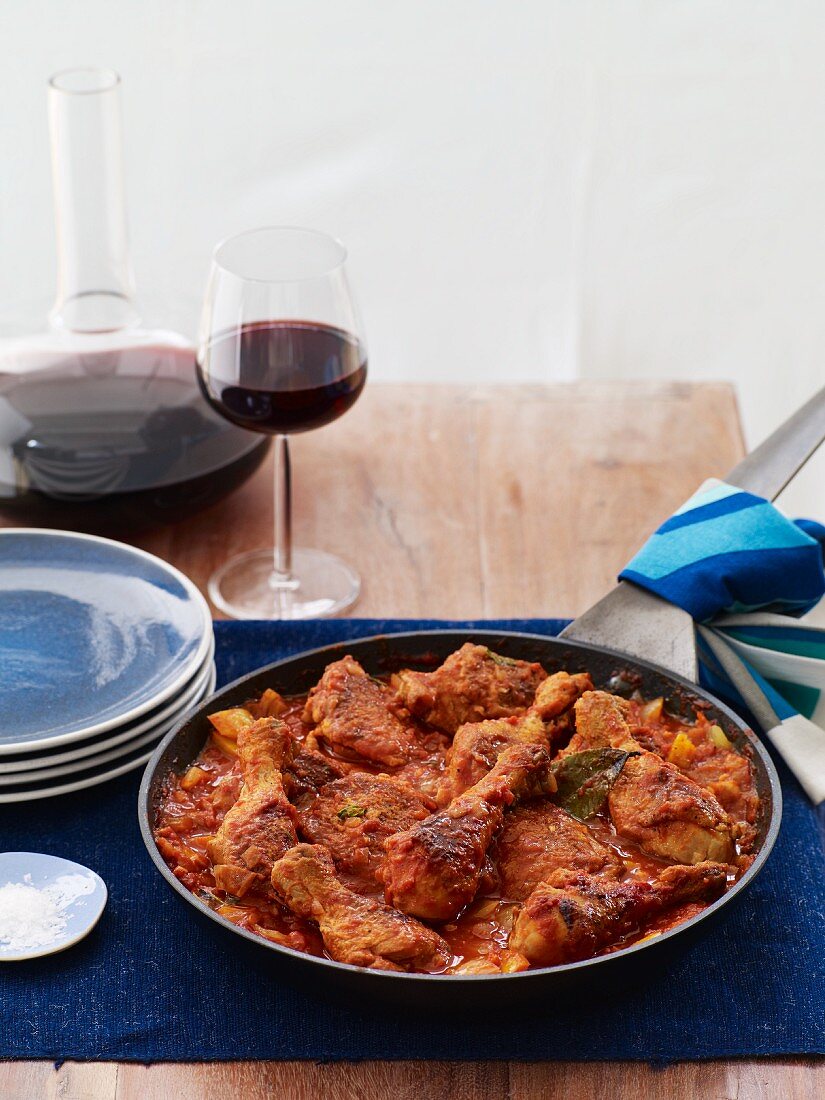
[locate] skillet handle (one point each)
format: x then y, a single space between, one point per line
640 624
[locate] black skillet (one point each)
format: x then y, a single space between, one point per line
630 621
423 649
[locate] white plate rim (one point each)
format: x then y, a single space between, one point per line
188 693
162 696
8 779
69 788
79 785
39 953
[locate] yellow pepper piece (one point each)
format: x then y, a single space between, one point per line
192 778
652 711
716 735
229 723
512 962
682 751
649 936
270 705
225 744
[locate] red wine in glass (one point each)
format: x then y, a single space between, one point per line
282 350
283 376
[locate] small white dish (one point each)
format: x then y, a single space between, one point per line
46 904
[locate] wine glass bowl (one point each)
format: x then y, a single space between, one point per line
281 351
283 376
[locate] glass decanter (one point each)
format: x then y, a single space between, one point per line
101 417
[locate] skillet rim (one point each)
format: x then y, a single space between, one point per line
771 827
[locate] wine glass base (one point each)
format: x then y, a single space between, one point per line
247 587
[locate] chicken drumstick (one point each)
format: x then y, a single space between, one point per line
355 929
574 916
259 828
433 869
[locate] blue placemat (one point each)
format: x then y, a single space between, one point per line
150 985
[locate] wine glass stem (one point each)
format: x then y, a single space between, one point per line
282 560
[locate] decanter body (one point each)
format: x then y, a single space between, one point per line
101 418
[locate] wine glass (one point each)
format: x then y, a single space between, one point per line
281 350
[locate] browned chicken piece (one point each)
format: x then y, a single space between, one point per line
652 802
539 838
308 772
351 712
716 766
574 916
473 684
555 698
559 692
668 815
601 722
477 746
353 817
355 929
259 828
433 869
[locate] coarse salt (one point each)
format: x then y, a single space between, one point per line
31 917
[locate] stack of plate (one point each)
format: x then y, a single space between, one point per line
103 648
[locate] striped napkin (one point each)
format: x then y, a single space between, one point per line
746 573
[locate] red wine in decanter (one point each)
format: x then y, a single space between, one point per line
114 425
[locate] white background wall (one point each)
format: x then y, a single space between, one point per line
530 189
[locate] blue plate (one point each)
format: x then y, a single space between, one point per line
92 635
46 904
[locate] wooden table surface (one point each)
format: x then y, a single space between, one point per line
463 503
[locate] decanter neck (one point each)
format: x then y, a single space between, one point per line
95 283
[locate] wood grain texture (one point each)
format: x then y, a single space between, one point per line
583 477
456 502
501 501
780 1079
72 1081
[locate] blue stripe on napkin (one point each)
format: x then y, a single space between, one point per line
731 552
703 512
734 580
